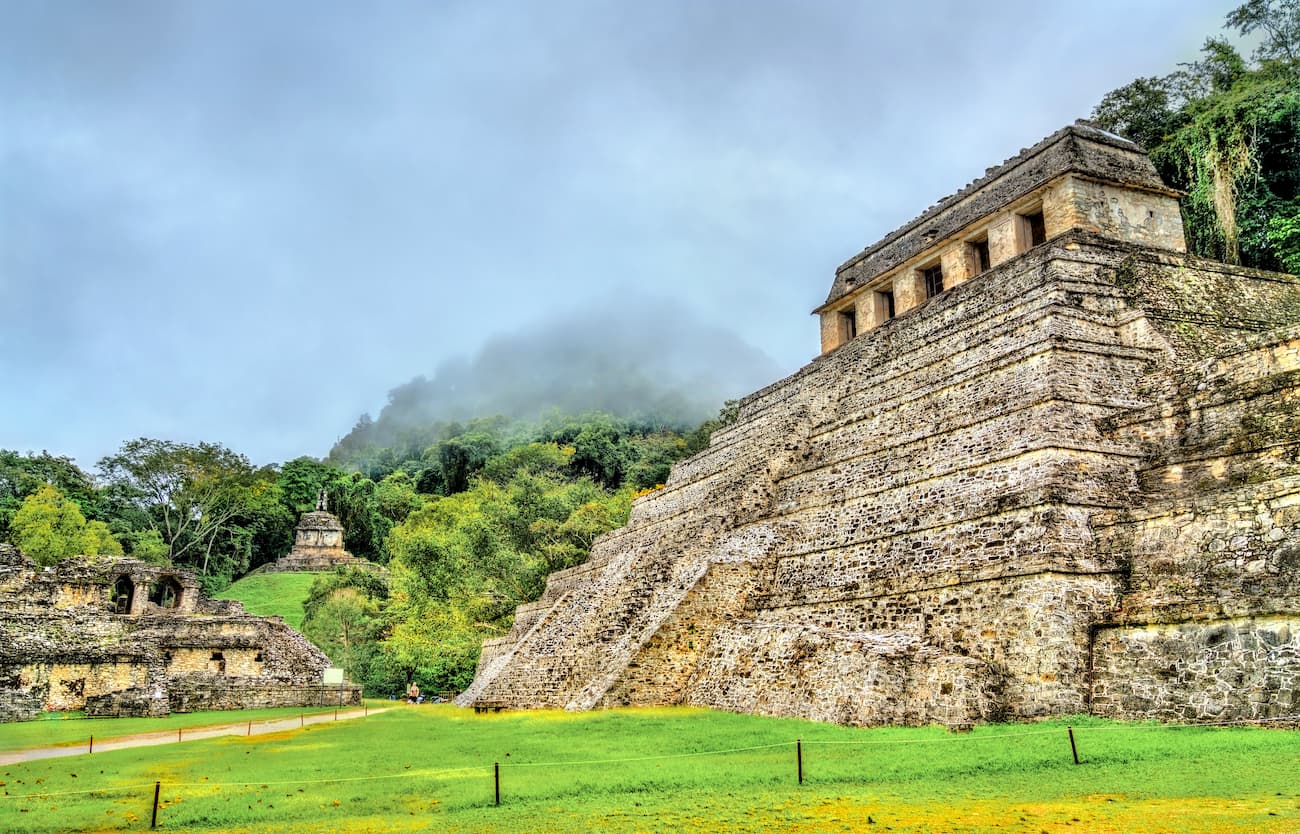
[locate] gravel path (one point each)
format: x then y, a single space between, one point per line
242 728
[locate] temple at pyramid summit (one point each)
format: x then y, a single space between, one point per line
1047 463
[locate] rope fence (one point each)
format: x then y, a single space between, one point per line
797 747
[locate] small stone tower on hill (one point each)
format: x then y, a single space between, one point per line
1047 463
317 544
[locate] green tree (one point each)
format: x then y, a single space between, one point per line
267 522
1225 132
98 540
462 457
1278 22
147 545
344 626
21 475
535 458
353 500
192 494
49 527
1140 110
395 497
301 480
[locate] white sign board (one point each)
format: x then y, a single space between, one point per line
333 676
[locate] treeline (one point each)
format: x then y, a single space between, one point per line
200 506
443 456
469 524
1226 130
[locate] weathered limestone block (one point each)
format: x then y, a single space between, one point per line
1220 670
1144 217
19 705
136 701
861 678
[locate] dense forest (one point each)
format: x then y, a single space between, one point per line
468 526
1226 130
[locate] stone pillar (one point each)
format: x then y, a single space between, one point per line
873 310
1002 238
958 264
834 330
909 291
1061 207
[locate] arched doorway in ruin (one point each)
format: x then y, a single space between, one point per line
123 595
165 592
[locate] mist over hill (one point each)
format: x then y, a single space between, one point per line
637 356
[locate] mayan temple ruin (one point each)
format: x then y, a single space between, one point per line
115 636
1047 463
317 545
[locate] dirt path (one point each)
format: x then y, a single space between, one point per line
242 728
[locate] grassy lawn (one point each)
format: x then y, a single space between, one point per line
429 768
281 594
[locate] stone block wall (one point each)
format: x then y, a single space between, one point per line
1217 670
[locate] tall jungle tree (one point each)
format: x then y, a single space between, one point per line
1227 132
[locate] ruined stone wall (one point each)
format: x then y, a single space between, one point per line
1231 669
92 653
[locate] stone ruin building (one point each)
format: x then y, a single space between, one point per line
118 636
1048 463
317 545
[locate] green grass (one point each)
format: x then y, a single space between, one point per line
429 768
281 594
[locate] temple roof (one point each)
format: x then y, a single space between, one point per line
1080 148
319 519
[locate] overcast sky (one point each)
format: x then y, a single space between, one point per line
246 222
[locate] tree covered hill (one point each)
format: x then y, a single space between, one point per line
648 363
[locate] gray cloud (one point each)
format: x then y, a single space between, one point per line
634 355
245 222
